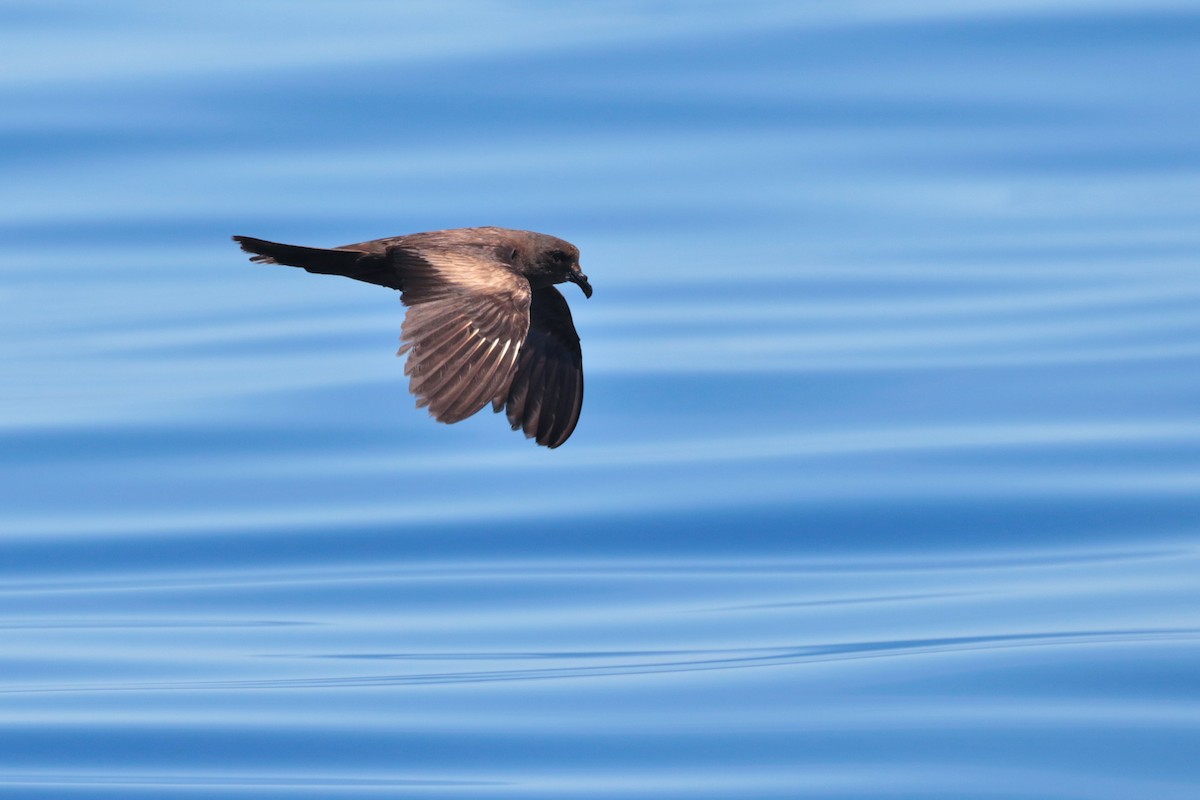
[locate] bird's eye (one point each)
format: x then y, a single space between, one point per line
513 255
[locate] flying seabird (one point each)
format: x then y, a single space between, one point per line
484 324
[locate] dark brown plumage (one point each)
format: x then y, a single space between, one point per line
485 323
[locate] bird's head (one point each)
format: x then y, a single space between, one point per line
556 261
563 263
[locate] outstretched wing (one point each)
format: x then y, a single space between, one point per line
547 392
468 318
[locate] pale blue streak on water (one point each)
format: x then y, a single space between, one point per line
888 479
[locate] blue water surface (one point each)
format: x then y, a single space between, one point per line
888 479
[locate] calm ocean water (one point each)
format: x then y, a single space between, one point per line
888 479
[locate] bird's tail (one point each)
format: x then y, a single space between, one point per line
313 259
357 264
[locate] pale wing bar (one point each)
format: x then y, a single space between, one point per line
462 352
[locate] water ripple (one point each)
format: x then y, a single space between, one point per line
652 662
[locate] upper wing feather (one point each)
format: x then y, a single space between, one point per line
463 332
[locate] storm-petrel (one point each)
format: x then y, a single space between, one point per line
484 325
